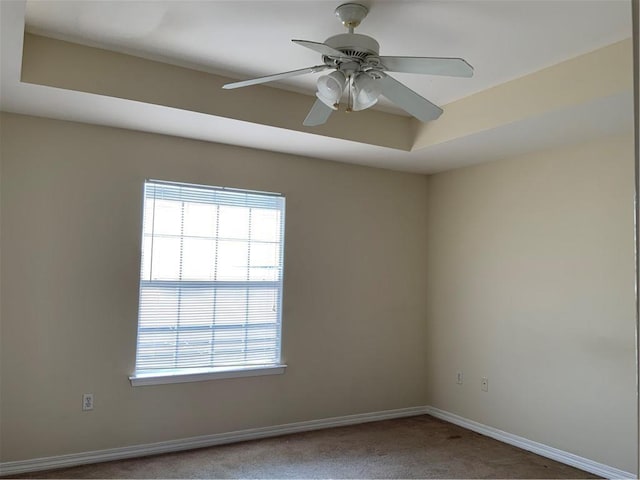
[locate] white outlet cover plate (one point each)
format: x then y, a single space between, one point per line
87 401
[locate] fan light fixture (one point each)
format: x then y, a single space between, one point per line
330 88
366 91
361 69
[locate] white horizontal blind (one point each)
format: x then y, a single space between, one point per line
211 278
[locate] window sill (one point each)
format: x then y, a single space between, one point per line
200 375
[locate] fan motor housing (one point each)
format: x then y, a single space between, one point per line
354 44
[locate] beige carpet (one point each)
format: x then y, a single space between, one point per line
416 447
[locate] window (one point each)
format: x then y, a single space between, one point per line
210 283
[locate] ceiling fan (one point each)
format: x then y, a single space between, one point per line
361 71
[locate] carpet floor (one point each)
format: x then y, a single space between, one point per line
416 447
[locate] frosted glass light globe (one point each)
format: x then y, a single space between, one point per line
330 88
366 91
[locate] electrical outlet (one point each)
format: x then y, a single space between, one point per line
459 378
87 401
484 384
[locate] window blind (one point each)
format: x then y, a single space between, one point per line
210 278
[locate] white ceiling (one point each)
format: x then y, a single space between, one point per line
503 40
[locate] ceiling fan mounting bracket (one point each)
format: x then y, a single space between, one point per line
351 14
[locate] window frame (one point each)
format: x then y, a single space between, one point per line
193 374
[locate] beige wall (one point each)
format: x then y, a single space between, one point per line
636 90
354 303
531 283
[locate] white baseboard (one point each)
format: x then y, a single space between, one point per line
543 450
83 458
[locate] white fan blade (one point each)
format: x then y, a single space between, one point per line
318 114
452 67
277 76
321 48
408 100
